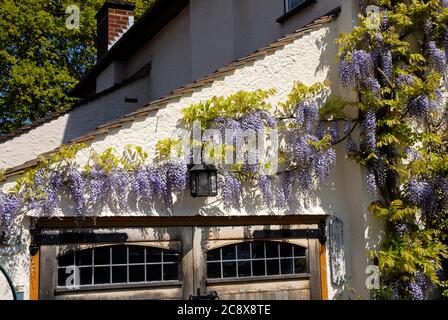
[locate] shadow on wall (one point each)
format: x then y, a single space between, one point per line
106 108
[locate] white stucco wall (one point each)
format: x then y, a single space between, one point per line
77 122
306 60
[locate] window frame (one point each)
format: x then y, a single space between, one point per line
287 13
120 285
286 5
265 259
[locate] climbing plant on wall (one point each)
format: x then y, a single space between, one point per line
398 69
112 179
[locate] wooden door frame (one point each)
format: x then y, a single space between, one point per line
190 259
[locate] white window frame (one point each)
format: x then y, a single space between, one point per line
265 259
128 264
287 5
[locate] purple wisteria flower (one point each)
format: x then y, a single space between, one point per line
386 62
10 206
324 163
368 130
119 181
437 58
356 69
420 107
421 194
177 176
351 146
140 184
265 184
305 179
252 121
405 79
419 286
334 131
370 179
231 189
77 187
283 191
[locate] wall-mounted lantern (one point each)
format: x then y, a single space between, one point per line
203 180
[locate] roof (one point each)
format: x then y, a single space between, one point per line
158 104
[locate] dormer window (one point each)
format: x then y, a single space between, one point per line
291 4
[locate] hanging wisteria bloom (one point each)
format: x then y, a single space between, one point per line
118 182
437 58
374 86
311 115
10 206
405 79
386 62
370 180
351 146
284 190
368 130
140 184
356 69
422 194
177 177
252 121
419 287
265 184
420 107
323 164
77 188
334 131
231 189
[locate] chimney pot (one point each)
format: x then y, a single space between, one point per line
114 18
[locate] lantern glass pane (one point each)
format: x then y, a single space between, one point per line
194 188
213 182
203 183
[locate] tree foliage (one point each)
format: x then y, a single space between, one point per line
40 59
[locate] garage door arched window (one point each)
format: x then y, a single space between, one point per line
256 259
121 264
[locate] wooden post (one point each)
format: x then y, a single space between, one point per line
187 262
34 276
200 260
323 272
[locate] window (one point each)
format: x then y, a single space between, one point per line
291 4
256 259
120 264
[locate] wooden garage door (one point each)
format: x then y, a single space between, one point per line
147 266
174 262
244 263
259 270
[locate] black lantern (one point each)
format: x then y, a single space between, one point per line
203 180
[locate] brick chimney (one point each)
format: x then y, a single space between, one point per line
113 19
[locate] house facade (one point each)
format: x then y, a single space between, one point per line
317 248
